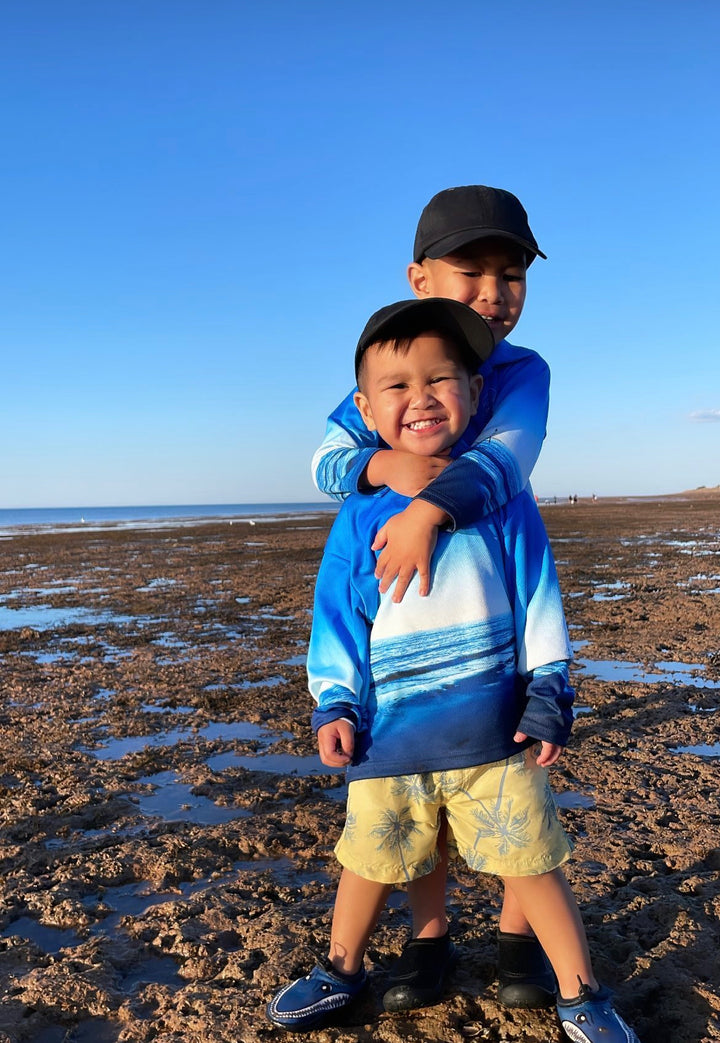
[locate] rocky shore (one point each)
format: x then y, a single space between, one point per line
166 828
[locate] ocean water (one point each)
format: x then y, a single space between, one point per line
49 518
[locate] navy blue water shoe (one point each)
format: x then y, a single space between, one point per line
308 1002
589 1018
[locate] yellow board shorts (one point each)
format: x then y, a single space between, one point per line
501 819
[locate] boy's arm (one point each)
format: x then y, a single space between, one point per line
338 466
352 459
497 465
542 640
338 652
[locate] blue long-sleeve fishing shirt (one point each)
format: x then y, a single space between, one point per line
444 681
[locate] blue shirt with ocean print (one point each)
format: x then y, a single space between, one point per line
443 681
496 455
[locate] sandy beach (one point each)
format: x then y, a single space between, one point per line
166 828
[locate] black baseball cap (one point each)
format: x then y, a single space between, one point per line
458 216
416 316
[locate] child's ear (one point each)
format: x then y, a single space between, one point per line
365 411
418 279
476 384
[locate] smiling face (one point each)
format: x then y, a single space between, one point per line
419 400
488 275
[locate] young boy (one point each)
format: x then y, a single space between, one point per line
472 244
437 702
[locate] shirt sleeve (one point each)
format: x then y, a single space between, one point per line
548 714
345 452
338 653
503 442
542 640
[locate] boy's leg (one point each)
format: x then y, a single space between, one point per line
551 909
584 1008
512 918
333 983
427 894
417 977
358 905
525 977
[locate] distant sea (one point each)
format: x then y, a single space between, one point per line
140 517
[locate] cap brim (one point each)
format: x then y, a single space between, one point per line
449 243
414 317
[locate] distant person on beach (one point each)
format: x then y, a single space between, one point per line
457 701
473 244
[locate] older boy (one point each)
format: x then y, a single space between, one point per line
434 703
473 244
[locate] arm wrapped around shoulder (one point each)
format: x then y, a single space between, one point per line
548 714
340 462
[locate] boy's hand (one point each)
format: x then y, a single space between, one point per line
405 473
336 742
407 541
549 753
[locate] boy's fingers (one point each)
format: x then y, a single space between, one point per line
403 582
382 563
336 747
548 754
335 760
423 583
380 539
347 743
386 577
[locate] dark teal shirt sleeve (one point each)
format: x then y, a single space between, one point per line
494 461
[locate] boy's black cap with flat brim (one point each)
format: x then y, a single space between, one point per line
458 216
416 316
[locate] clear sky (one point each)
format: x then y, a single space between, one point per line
203 200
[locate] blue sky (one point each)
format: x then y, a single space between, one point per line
204 200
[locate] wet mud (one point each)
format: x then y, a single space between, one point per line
166 828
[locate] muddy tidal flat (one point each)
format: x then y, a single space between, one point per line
166 828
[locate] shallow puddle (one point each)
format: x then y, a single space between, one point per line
169 640
92 1030
45 617
153 708
276 763
610 591
49 939
296 660
173 801
157 584
571 799
616 670
155 970
702 750
38 592
266 682
46 658
135 900
114 749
